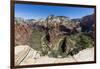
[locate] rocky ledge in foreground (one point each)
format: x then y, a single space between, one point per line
25 55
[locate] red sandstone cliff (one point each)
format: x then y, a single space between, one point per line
22 33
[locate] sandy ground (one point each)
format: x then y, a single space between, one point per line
24 55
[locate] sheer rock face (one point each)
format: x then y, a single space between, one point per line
87 23
22 33
59 26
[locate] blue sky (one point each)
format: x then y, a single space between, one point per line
29 11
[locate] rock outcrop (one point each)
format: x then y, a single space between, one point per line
25 55
22 33
87 23
58 28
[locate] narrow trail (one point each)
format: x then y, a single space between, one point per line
21 56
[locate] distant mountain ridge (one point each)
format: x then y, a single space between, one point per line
85 22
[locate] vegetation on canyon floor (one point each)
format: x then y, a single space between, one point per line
56 36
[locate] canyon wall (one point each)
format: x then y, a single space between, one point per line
22 33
